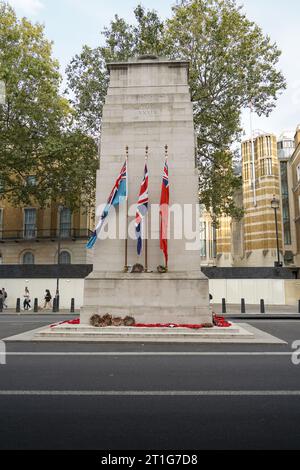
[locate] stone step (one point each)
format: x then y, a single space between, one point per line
131 330
141 334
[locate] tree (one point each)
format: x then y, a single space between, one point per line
36 134
232 63
87 73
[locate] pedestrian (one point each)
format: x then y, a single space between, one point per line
4 298
1 298
27 300
48 298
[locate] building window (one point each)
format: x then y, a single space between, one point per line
246 169
269 167
65 258
286 217
298 173
203 250
285 148
28 258
2 185
263 167
29 224
1 223
65 223
261 146
213 242
269 145
31 181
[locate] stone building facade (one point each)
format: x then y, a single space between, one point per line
29 235
294 174
260 185
251 242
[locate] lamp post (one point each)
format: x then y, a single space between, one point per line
275 204
60 208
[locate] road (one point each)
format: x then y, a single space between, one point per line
162 397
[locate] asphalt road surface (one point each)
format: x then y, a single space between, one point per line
142 397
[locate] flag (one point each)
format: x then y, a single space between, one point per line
164 212
118 195
142 210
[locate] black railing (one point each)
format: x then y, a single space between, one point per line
34 234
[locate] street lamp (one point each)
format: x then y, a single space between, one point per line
59 210
275 204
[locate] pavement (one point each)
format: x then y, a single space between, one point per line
253 312
231 310
64 312
149 396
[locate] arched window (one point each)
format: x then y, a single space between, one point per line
28 258
65 257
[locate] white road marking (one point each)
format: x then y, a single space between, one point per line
152 393
142 354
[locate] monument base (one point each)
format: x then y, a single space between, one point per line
148 297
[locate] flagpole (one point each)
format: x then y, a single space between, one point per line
166 155
127 210
146 225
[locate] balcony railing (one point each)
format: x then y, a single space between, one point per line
34 234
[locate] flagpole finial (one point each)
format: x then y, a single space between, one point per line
147 152
166 150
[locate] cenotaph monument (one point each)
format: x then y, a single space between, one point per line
148 104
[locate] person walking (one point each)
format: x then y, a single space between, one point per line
1 298
4 298
48 298
27 300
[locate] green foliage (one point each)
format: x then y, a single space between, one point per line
88 81
87 73
232 63
36 136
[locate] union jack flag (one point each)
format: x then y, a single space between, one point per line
164 211
142 210
118 195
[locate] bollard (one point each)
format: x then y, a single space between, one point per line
18 306
262 306
72 306
1 305
243 306
54 305
36 306
224 306
299 306
57 303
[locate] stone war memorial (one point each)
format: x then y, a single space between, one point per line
148 104
152 280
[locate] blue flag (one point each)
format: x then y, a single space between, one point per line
117 196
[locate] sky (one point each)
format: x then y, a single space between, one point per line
72 23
